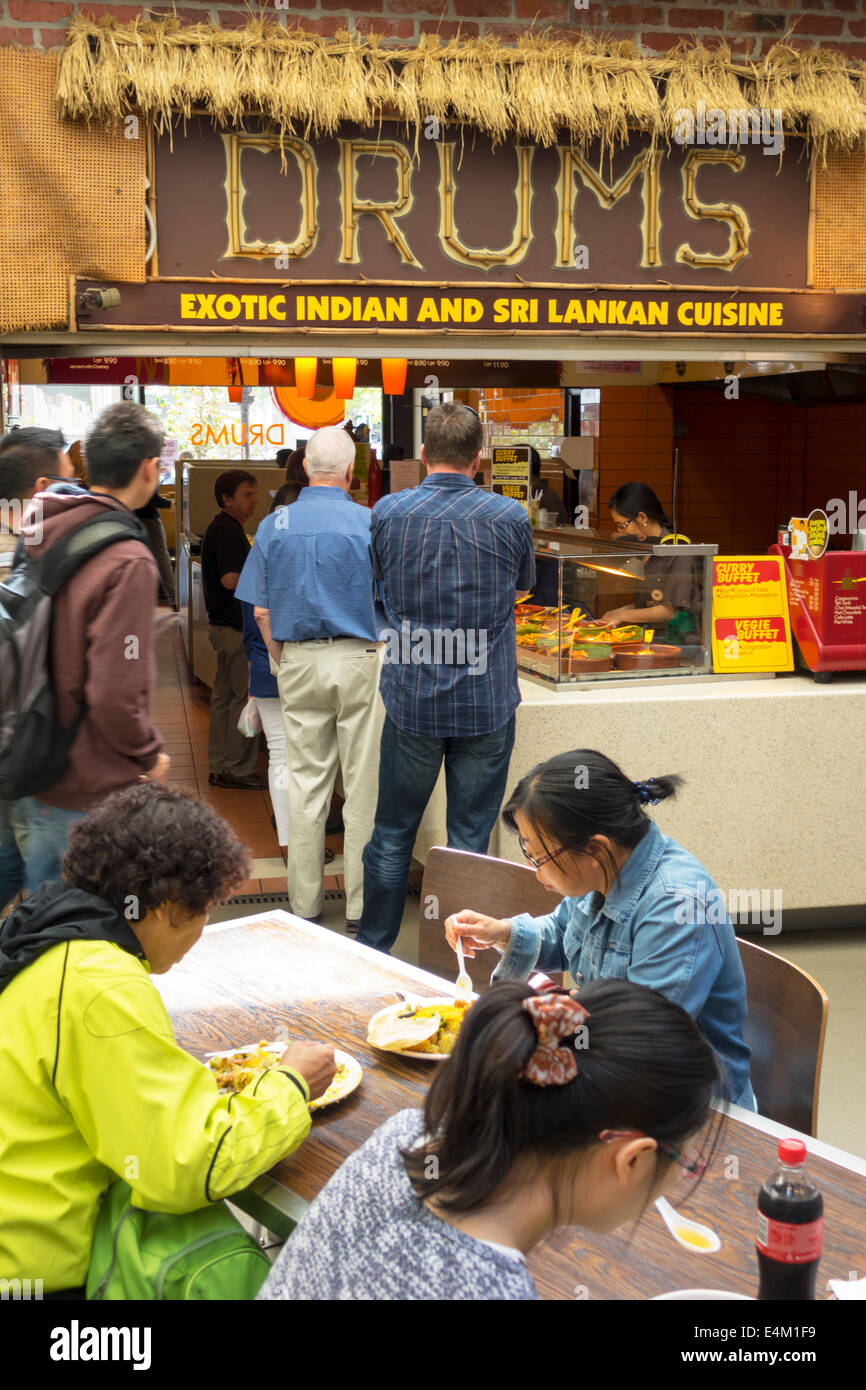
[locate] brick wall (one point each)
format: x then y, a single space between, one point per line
744 465
734 480
750 27
635 442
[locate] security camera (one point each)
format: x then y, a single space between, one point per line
98 299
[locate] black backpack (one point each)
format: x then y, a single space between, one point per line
34 747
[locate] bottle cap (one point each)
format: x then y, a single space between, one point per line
792 1151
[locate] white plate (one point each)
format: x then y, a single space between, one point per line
353 1081
415 1004
343 1059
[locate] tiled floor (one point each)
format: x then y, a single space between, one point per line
180 712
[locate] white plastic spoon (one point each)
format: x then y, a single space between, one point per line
690 1234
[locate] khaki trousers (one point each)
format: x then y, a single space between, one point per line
329 693
227 748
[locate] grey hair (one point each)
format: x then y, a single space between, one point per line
329 453
452 434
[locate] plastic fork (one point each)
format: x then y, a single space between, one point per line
464 981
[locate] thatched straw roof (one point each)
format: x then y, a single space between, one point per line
540 89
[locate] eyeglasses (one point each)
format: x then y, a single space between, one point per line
692 1167
537 863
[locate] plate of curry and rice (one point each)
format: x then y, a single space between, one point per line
423 1029
235 1069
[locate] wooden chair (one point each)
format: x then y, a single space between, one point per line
787 1009
454 879
785 1027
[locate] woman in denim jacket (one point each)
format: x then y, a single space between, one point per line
635 904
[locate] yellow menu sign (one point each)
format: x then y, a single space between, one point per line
751 628
510 473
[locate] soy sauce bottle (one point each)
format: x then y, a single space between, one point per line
790 1228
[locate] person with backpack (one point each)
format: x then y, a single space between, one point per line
102 1092
90 732
31 460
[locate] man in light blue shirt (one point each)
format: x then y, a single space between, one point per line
310 577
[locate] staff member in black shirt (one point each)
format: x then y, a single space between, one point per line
669 600
231 756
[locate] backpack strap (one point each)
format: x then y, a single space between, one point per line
61 561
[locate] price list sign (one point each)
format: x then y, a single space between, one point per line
510 473
751 626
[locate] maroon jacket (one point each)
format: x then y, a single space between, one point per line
102 653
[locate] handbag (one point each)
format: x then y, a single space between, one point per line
150 1255
250 721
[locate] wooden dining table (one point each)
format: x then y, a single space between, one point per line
260 977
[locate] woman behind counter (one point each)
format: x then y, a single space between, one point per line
670 602
635 904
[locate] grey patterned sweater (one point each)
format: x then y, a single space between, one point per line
368 1236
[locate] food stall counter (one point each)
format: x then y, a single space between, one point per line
772 769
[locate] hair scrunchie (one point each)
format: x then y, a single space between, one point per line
555 1016
643 791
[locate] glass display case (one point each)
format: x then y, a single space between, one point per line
612 609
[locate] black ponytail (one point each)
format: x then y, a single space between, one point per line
576 795
646 1067
633 498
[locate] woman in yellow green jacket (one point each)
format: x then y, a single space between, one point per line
93 1084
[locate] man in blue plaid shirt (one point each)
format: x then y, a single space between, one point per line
450 560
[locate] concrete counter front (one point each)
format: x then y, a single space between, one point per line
774 774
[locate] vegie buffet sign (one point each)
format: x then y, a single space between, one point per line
360 233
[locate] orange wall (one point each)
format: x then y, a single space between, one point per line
835 453
744 465
635 441
734 481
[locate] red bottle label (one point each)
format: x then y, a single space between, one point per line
790 1245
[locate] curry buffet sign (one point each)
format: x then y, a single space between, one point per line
359 232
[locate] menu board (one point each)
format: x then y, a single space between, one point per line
510 473
751 629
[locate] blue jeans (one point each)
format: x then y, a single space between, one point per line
11 862
43 834
476 771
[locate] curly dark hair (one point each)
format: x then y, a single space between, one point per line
156 845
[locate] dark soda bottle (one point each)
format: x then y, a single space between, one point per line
790 1228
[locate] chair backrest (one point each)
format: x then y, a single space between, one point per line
787 1008
785 1027
455 879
